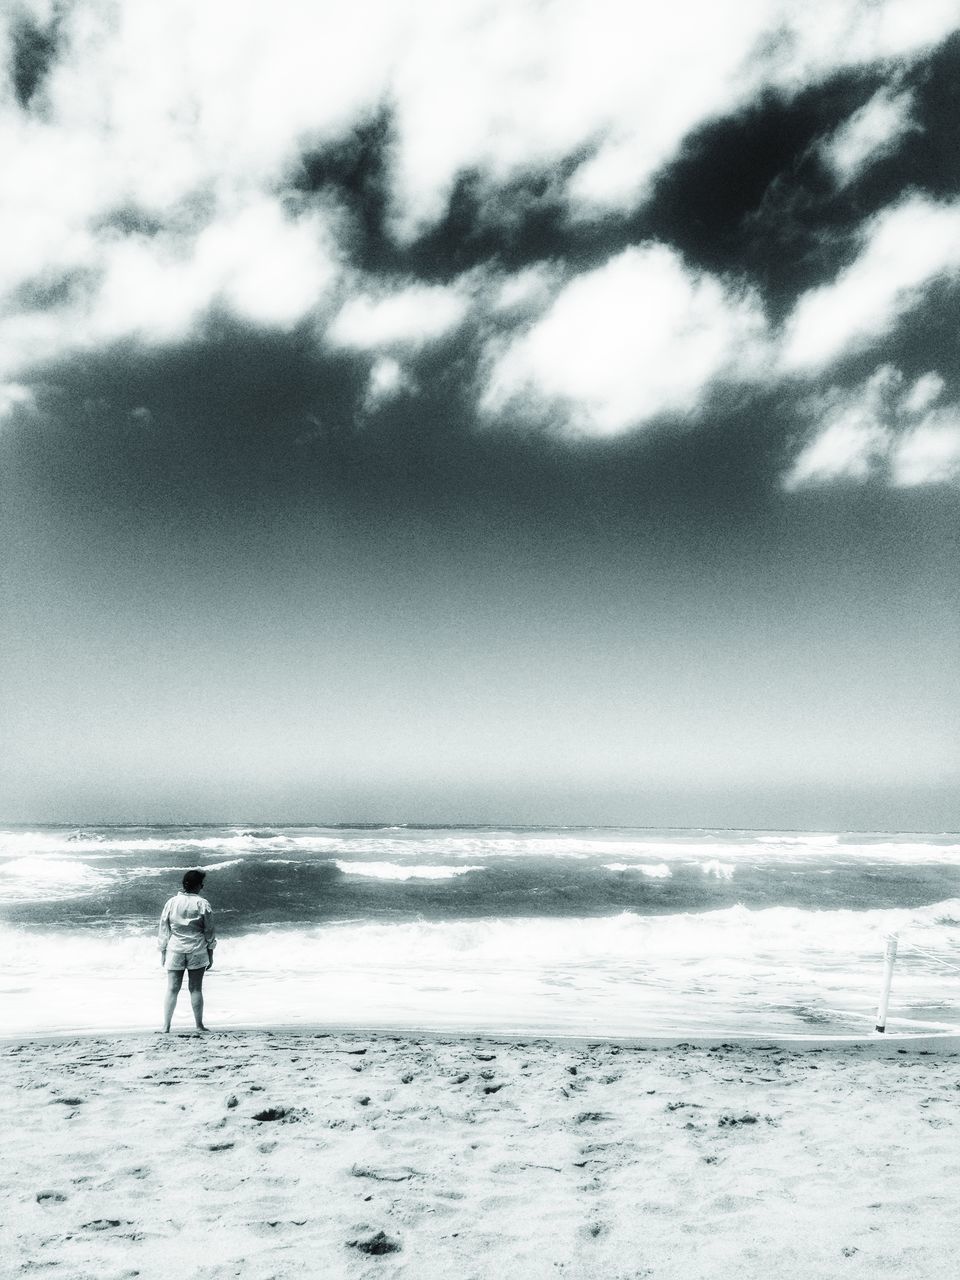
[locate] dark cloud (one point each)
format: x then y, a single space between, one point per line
805 227
706 201
747 196
511 225
33 51
53 289
927 160
217 422
353 170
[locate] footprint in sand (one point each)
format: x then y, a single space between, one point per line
376 1243
401 1173
286 1115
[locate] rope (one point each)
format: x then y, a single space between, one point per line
930 956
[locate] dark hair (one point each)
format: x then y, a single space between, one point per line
193 881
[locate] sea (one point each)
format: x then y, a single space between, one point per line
570 930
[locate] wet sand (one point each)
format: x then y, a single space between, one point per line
273 1154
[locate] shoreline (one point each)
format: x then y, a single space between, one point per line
879 1043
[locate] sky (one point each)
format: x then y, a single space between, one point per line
515 411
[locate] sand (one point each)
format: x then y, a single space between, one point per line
259 1154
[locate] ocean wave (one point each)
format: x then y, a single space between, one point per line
445 846
394 871
652 870
39 843
45 879
728 971
131 873
719 870
809 840
735 935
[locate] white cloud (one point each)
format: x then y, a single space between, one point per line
870 133
640 337
387 381
528 289
13 395
929 454
927 390
270 270
151 105
503 87
872 432
849 448
258 264
411 316
193 118
904 248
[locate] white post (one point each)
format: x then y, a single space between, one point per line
889 956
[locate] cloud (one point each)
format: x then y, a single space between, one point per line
640 337
928 454
150 185
871 133
855 438
880 431
410 316
258 265
12 396
924 392
151 156
33 46
387 381
500 88
523 291
904 249
149 106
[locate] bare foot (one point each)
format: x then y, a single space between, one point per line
201 1027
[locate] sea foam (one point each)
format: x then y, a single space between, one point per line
652 870
394 871
39 879
766 971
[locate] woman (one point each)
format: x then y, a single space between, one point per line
186 938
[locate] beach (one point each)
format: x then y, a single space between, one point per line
259 1154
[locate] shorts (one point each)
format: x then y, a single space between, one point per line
178 960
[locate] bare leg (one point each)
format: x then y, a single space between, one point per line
174 983
195 979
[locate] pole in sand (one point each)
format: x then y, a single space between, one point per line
890 956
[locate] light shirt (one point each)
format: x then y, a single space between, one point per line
186 925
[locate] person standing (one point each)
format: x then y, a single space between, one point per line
186 939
